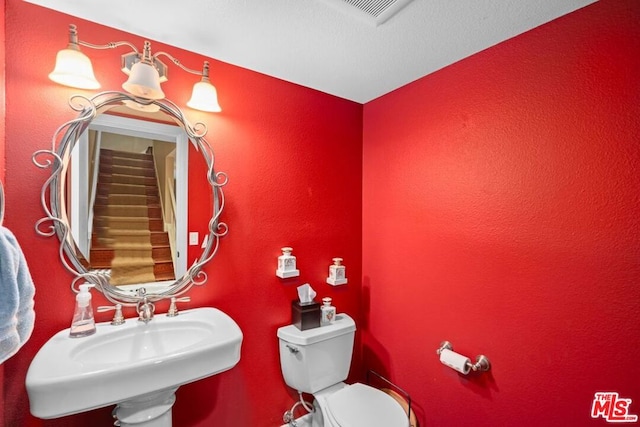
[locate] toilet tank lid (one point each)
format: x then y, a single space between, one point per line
343 324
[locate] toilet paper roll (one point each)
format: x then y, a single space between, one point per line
455 361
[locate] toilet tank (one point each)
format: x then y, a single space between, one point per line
317 358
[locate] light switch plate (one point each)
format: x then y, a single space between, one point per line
194 237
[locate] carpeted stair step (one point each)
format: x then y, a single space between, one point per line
106 224
137 170
118 178
158 253
108 157
108 153
122 211
150 224
107 190
157 238
126 199
102 259
124 273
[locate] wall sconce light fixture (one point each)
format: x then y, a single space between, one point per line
146 72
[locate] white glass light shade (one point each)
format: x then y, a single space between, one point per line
146 108
144 82
204 98
73 68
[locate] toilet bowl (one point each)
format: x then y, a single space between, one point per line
357 405
317 361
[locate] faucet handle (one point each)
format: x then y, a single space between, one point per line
118 318
173 307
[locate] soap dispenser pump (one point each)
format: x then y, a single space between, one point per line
83 323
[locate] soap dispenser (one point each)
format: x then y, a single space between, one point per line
83 323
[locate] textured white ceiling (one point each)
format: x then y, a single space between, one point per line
328 45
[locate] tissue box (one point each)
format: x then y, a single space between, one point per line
305 316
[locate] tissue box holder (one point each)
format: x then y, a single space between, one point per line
305 315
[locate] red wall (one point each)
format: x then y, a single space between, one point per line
500 213
2 100
2 156
294 161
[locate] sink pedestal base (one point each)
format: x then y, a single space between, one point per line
150 410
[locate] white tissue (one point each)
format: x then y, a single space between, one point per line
455 361
306 294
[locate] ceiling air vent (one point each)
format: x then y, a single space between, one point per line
374 11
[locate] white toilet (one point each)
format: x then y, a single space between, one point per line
317 361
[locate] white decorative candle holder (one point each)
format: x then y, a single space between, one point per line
327 312
287 264
337 273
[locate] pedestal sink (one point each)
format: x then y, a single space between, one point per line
137 365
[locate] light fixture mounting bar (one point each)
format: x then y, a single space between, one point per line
110 45
74 40
179 64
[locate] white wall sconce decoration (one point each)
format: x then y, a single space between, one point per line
146 72
337 273
287 264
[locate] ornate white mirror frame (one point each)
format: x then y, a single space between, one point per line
56 220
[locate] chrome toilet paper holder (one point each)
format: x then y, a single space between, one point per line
482 362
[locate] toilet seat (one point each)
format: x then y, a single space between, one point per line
360 405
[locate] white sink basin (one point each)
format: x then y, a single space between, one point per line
119 363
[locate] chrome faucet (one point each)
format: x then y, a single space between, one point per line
145 307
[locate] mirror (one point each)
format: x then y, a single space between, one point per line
118 196
128 215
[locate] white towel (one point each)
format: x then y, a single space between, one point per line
16 296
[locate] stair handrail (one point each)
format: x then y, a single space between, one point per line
170 223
